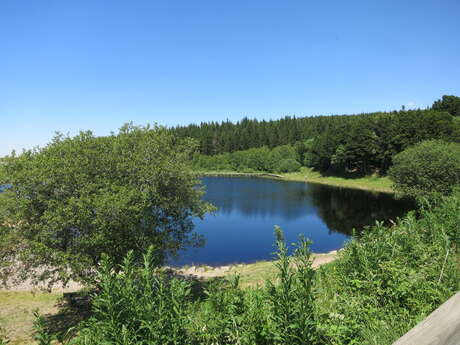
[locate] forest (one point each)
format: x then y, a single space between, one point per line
345 144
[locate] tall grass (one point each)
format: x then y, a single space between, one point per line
138 305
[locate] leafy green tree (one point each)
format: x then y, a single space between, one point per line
323 148
80 197
361 147
451 104
339 158
307 159
429 167
287 165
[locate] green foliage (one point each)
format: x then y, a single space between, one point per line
385 282
287 165
230 315
279 159
145 305
304 151
41 335
381 285
451 104
137 305
291 298
352 145
426 168
365 144
356 144
79 197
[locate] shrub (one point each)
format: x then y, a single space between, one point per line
287 165
291 298
4 340
426 168
138 305
41 334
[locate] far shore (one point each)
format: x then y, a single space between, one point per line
369 183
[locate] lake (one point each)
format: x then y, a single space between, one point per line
248 208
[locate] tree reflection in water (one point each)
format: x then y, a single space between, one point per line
248 208
342 209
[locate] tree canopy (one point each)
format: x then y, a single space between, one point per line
350 145
77 198
339 144
451 104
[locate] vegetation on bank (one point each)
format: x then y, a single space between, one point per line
373 183
426 168
353 147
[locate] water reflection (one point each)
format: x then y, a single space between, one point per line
248 208
258 197
344 209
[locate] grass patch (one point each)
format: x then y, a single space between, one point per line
254 274
59 314
16 312
373 182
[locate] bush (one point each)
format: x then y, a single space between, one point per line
279 159
426 168
4 340
287 165
138 305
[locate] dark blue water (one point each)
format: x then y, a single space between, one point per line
248 208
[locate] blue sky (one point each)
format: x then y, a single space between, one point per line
92 64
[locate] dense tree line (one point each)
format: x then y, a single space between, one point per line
280 159
358 144
451 104
367 143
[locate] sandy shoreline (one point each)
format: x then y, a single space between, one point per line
195 271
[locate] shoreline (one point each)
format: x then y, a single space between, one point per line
368 183
250 273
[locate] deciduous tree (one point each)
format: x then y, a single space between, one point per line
79 197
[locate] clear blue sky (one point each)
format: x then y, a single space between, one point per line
93 64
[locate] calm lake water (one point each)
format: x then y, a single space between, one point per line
248 208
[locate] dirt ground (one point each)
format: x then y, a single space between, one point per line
250 273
